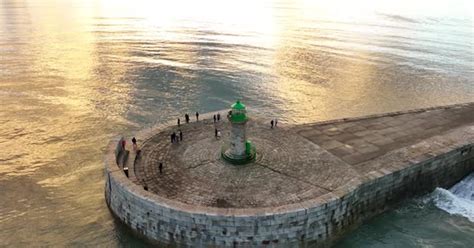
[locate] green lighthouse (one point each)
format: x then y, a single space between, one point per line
239 150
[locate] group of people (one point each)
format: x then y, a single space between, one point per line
135 148
217 117
123 143
186 118
176 138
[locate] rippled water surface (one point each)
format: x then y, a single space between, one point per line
75 73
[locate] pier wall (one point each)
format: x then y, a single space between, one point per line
379 190
314 223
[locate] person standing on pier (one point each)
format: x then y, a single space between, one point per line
180 135
197 116
134 144
186 117
179 122
218 116
160 167
215 118
215 132
276 122
271 123
173 136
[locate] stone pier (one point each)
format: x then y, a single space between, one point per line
308 185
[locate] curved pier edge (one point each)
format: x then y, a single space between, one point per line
439 161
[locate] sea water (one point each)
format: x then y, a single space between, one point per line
75 73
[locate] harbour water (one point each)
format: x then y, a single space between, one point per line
75 73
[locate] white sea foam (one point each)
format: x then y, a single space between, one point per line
458 200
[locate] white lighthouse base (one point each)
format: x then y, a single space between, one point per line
232 158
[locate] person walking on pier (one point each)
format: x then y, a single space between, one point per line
218 116
197 116
160 167
180 135
215 118
271 123
186 117
215 132
179 122
173 137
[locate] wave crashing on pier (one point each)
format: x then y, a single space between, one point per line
458 200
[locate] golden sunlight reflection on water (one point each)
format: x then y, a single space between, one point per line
75 73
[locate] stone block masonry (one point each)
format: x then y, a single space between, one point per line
304 198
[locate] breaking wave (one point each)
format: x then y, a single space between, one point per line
459 200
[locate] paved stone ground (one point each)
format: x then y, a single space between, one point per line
362 140
293 164
288 168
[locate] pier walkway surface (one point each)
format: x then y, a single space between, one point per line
294 163
359 140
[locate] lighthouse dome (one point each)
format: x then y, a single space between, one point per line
238 112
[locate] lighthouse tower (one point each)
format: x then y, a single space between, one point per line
239 150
